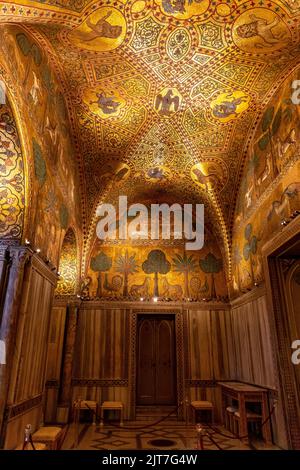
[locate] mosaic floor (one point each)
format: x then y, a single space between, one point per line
179 435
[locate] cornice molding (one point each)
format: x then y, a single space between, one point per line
250 296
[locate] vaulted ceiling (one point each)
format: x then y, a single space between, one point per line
164 95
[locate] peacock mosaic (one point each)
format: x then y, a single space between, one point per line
146 272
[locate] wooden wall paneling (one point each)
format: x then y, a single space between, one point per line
19 257
31 373
55 344
17 359
102 344
68 354
54 361
15 426
252 337
31 338
201 357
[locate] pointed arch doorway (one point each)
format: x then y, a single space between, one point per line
156 360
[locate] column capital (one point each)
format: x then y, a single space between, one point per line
3 252
19 256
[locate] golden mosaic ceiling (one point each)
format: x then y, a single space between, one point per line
164 95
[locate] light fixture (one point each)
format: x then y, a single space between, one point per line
155 299
58 273
27 242
142 299
38 250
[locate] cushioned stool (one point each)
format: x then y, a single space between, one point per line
202 406
112 405
87 405
49 435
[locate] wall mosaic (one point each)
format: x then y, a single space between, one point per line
44 115
12 184
68 266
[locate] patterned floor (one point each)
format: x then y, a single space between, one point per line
183 436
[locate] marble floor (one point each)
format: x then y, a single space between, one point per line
139 435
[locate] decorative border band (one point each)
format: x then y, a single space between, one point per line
200 383
52 384
20 408
100 383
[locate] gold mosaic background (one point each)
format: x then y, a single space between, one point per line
158 100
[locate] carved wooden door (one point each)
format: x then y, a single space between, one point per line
156 364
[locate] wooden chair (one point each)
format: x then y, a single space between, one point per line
202 406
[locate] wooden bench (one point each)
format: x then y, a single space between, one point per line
202 406
112 405
49 435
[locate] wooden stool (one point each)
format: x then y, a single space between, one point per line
202 406
37 446
86 405
49 435
112 405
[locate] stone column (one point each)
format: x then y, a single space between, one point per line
19 256
68 359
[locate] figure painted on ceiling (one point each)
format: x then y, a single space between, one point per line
164 104
281 208
35 90
260 27
107 104
284 145
212 180
177 6
156 173
101 29
229 107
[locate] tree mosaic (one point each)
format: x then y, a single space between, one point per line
156 264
